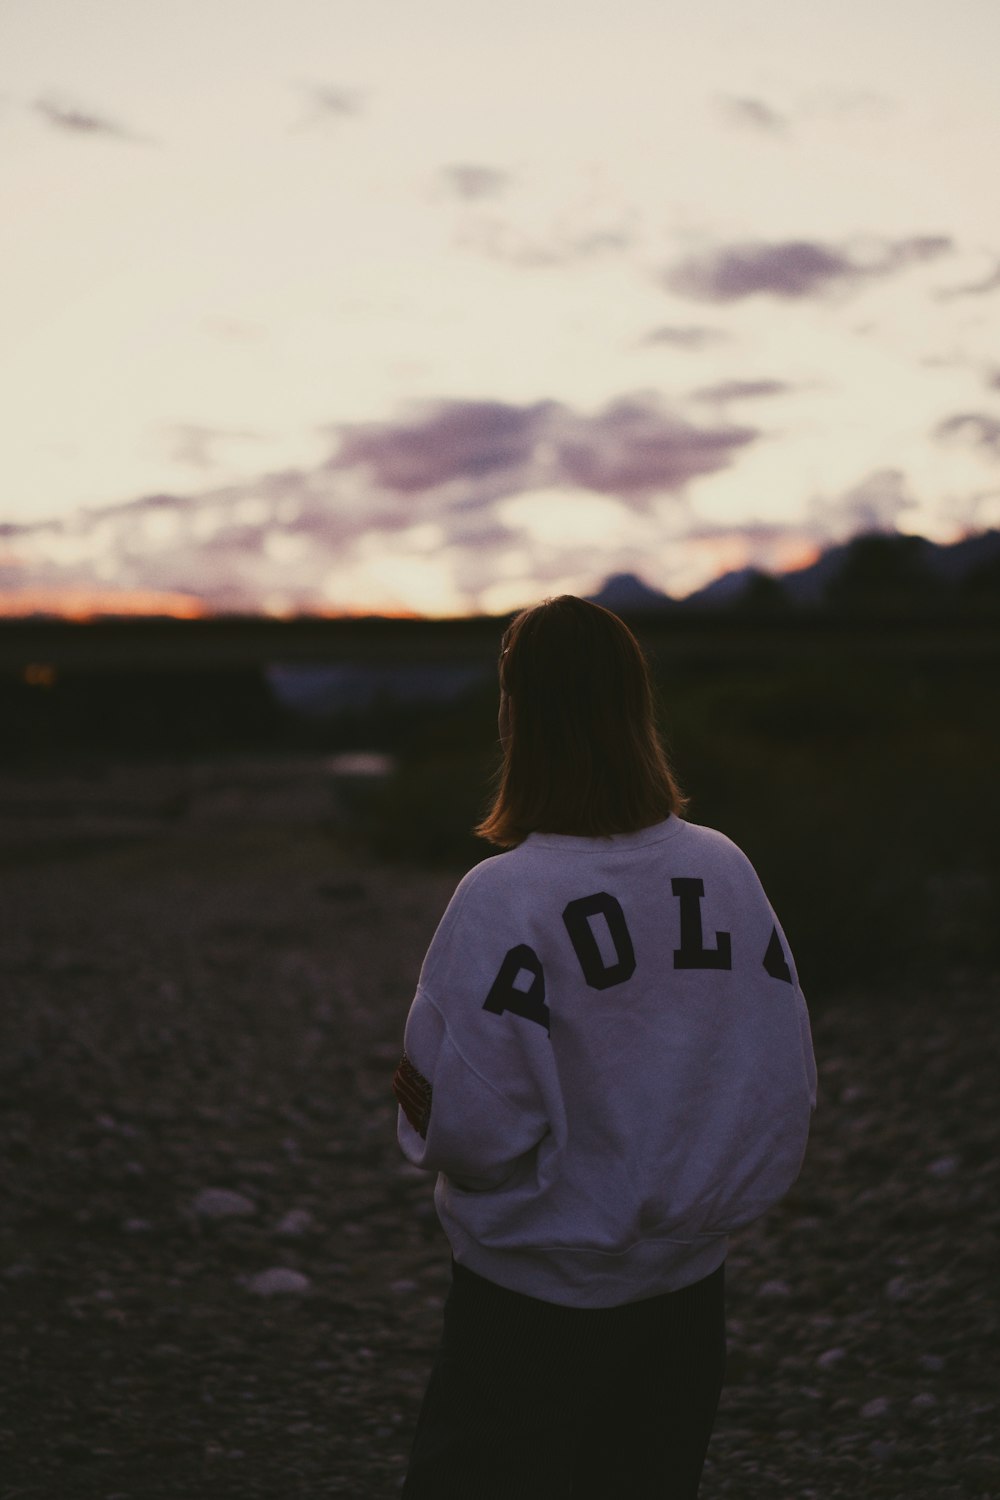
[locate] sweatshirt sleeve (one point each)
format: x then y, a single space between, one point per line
805 1030
452 1118
779 963
471 1100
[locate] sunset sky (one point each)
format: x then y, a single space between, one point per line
445 305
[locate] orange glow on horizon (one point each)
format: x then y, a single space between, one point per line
81 605
798 555
88 604
391 613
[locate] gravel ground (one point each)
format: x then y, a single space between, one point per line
218 1278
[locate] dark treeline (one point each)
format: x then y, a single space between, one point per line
856 765
861 782
851 748
888 573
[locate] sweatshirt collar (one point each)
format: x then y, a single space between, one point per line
570 842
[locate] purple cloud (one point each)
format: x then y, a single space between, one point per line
77 121
631 449
455 440
796 268
561 247
688 336
194 444
576 234
634 449
142 505
911 251
329 102
740 390
471 180
977 428
981 288
753 113
874 504
791 269
428 484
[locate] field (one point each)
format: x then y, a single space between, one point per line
219 1278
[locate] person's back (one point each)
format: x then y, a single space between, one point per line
639 990
608 1063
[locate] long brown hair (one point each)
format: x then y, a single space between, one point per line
582 755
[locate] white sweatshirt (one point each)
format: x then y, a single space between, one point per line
619 1063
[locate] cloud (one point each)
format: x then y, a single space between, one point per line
740 390
976 428
632 449
194 445
705 554
421 495
689 336
913 251
453 440
793 269
759 532
897 254
563 243
472 180
981 288
75 120
215 547
597 241
635 449
797 268
753 114
328 103
567 227
875 503
159 503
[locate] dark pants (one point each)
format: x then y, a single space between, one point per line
532 1401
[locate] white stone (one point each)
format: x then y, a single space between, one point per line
831 1357
924 1401
297 1221
877 1407
278 1280
222 1203
944 1166
774 1289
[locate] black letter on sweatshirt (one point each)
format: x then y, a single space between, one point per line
577 919
529 1003
692 953
775 961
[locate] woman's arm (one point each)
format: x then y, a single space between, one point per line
452 1118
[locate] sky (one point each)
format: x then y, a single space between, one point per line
444 306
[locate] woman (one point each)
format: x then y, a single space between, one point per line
608 1064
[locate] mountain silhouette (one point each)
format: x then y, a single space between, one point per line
874 568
